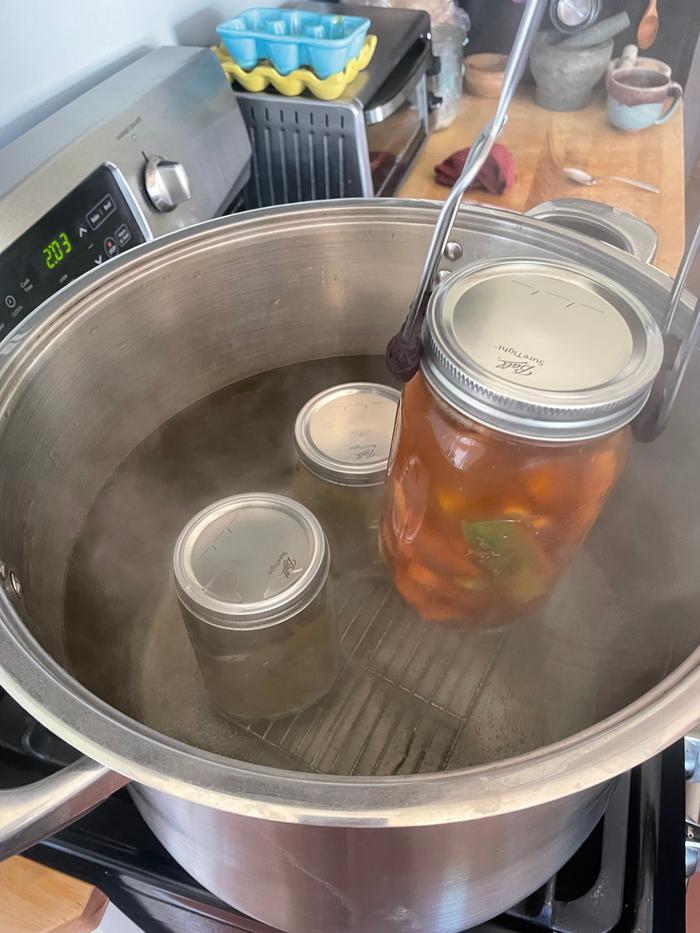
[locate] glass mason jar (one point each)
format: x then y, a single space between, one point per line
343 437
511 434
448 41
251 576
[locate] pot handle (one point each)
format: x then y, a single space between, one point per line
31 813
639 237
692 847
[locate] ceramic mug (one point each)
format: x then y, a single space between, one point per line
638 61
637 97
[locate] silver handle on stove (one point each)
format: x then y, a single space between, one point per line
692 756
692 828
31 813
692 847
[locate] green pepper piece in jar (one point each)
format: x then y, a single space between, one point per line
507 551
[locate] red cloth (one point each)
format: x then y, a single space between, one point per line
497 173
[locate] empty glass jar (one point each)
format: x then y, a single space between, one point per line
251 575
512 434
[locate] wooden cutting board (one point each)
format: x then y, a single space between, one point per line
543 141
36 899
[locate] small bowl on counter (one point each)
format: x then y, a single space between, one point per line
483 73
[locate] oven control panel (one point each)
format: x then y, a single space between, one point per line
156 147
88 226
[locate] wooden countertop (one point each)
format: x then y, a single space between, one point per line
36 899
539 139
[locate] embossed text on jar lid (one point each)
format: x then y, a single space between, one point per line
541 349
343 434
250 560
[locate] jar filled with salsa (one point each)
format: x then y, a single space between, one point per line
511 434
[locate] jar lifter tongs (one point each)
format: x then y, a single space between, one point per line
404 349
653 418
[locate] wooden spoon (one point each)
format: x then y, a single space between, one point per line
648 26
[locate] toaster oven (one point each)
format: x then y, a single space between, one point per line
360 145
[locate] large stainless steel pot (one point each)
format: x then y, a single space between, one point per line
111 358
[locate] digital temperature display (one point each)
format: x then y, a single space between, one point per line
57 250
89 226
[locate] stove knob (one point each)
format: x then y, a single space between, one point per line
167 184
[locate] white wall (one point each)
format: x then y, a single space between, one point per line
52 52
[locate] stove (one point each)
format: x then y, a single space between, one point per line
156 147
628 877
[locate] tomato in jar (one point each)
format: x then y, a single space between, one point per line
511 435
480 525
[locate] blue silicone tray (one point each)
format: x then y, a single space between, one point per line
290 39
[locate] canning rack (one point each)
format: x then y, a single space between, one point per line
404 349
401 704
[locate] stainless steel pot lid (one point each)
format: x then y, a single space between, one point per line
540 349
343 434
250 560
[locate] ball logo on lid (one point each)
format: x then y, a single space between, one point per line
564 340
521 364
286 565
363 451
540 349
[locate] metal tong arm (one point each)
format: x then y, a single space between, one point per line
478 154
677 352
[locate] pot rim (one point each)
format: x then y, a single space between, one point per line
577 763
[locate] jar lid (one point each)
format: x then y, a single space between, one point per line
343 434
250 561
540 349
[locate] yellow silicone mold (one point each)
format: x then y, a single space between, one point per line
296 82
